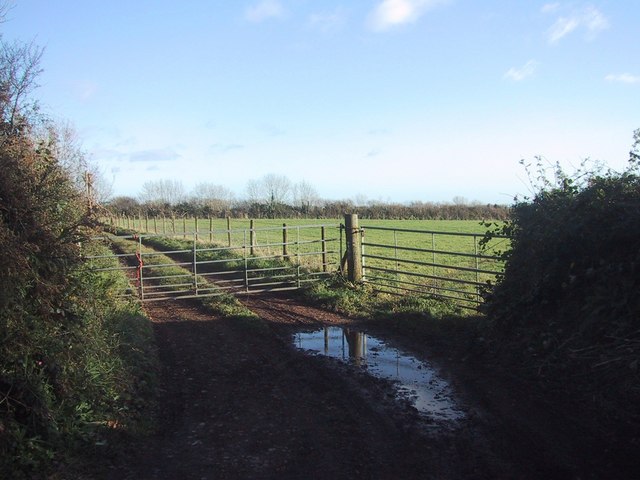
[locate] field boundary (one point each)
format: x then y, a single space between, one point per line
459 266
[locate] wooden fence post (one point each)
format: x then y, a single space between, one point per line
210 229
229 229
285 249
252 238
354 248
323 239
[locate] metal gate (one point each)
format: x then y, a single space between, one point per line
188 265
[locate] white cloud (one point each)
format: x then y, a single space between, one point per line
588 19
561 28
594 20
519 74
391 13
329 21
623 78
264 10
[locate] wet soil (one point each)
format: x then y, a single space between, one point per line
239 401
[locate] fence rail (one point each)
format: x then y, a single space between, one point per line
449 265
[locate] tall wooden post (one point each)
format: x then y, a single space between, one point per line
323 238
354 248
210 229
285 250
252 238
229 229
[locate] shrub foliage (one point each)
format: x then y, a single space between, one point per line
567 308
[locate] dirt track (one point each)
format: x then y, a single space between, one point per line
238 401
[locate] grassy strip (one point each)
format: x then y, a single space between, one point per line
361 301
222 304
219 258
429 319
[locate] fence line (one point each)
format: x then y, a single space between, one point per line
394 260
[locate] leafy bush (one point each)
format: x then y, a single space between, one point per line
567 308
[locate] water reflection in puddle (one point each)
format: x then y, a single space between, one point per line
414 379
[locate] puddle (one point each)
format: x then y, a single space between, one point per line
414 379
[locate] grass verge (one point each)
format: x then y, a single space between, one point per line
75 384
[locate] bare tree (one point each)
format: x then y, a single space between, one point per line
459 200
19 68
162 192
271 190
305 195
212 196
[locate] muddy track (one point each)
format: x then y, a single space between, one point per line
241 403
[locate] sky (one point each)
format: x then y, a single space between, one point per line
389 100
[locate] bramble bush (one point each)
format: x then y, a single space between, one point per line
566 310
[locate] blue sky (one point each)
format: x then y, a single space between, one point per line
393 100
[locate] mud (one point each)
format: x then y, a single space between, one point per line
237 401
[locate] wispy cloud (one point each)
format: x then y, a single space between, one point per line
550 7
623 78
327 22
85 90
373 153
519 74
589 19
271 130
392 13
219 148
154 155
264 10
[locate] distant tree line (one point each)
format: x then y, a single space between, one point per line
275 196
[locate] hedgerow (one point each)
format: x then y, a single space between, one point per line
566 311
76 362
